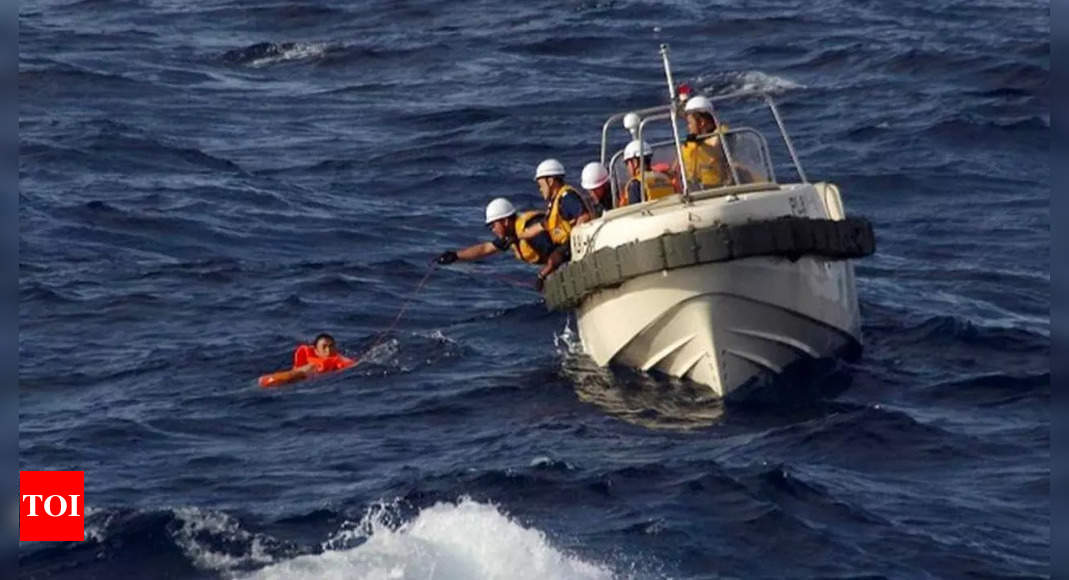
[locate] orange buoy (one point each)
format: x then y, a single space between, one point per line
281 378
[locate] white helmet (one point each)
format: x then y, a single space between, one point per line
594 175
549 168
698 104
499 208
635 149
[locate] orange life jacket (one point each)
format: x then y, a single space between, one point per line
560 229
524 251
704 161
658 185
306 354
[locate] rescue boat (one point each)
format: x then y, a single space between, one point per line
728 285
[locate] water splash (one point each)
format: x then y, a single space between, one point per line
382 353
214 540
730 82
268 53
633 396
567 342
445 541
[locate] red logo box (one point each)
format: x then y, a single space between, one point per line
51 506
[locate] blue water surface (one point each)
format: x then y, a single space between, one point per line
206 183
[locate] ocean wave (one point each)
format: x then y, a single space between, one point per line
158 279
61 79
186 541
103 143
847 438
1023 76
139 228
945 330
402 353
833 57
652 402
270 53
492 546
563 46
30 292
798 493
991 390
265 15
972 131
721 83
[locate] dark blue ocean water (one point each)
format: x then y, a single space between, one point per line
206 183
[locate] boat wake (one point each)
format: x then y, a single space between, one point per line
650 401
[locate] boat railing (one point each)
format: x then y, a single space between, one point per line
619 117
649 208
746 147
664 112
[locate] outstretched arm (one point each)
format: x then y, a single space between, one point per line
467 254
477 251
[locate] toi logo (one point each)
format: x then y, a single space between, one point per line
51 506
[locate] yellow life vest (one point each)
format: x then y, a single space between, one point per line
658 185
560 229
705 164
524 251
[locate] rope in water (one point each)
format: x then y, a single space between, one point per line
408 300
404 306
510 280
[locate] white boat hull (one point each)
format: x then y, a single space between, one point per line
723 324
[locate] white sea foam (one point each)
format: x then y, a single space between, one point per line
567 341
198 528
382 352
97 522
439 336
295 51
463 541
730 82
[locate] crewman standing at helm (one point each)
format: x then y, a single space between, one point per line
703 155
595 181
507 225
638 156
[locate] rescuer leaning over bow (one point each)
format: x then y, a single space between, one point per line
508 226
566 206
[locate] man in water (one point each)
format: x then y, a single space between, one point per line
321 356
502 219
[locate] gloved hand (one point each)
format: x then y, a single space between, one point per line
446 257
